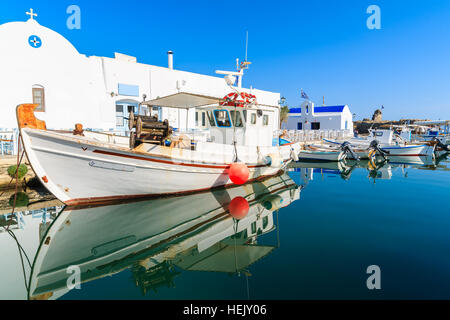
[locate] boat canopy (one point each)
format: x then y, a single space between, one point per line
187 100
183 100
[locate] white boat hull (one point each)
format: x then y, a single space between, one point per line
409 150
79 170
321 155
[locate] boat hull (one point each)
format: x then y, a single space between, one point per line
321 155
79 171
409 151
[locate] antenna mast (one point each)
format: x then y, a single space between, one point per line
246 45
244 64
240 67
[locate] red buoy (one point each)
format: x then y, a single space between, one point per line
238 173
238 208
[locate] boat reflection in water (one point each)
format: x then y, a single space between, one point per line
303 171
155 238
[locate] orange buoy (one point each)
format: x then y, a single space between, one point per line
238 208
238 173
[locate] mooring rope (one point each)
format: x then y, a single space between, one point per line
22 253
18 162
21 250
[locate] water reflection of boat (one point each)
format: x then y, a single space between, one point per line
303 171
152 237
413 160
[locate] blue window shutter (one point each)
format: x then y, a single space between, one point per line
128 90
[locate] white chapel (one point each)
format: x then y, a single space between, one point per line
38 65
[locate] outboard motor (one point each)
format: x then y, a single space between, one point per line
348 150
375 145
441 145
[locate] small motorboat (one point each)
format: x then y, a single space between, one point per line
354 153
319 154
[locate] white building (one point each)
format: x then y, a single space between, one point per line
39 65
310 117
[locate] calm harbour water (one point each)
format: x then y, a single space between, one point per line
332 223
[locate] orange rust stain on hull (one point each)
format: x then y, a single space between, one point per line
26 118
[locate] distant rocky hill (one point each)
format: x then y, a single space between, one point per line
377 122
363 126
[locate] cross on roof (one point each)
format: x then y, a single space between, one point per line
31 14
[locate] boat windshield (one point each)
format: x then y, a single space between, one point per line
236 118
210 118
222 118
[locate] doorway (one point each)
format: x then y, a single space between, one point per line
123 109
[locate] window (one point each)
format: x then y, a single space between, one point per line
253 227
315 125
197 119
39 98
236 115
346 124
265 222
245 115
299 126
253 118
210 119
119 115
222 118
265 120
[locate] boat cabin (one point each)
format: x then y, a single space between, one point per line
384 136
251 124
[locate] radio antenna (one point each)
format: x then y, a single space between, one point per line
246 45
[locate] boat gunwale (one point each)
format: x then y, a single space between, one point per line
129 152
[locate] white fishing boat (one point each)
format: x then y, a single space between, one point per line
83 167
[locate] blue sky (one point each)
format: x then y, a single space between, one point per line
321 46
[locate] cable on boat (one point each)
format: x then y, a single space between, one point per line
236 159
22 253
21 250
18 162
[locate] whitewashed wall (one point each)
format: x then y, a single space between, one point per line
80 89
